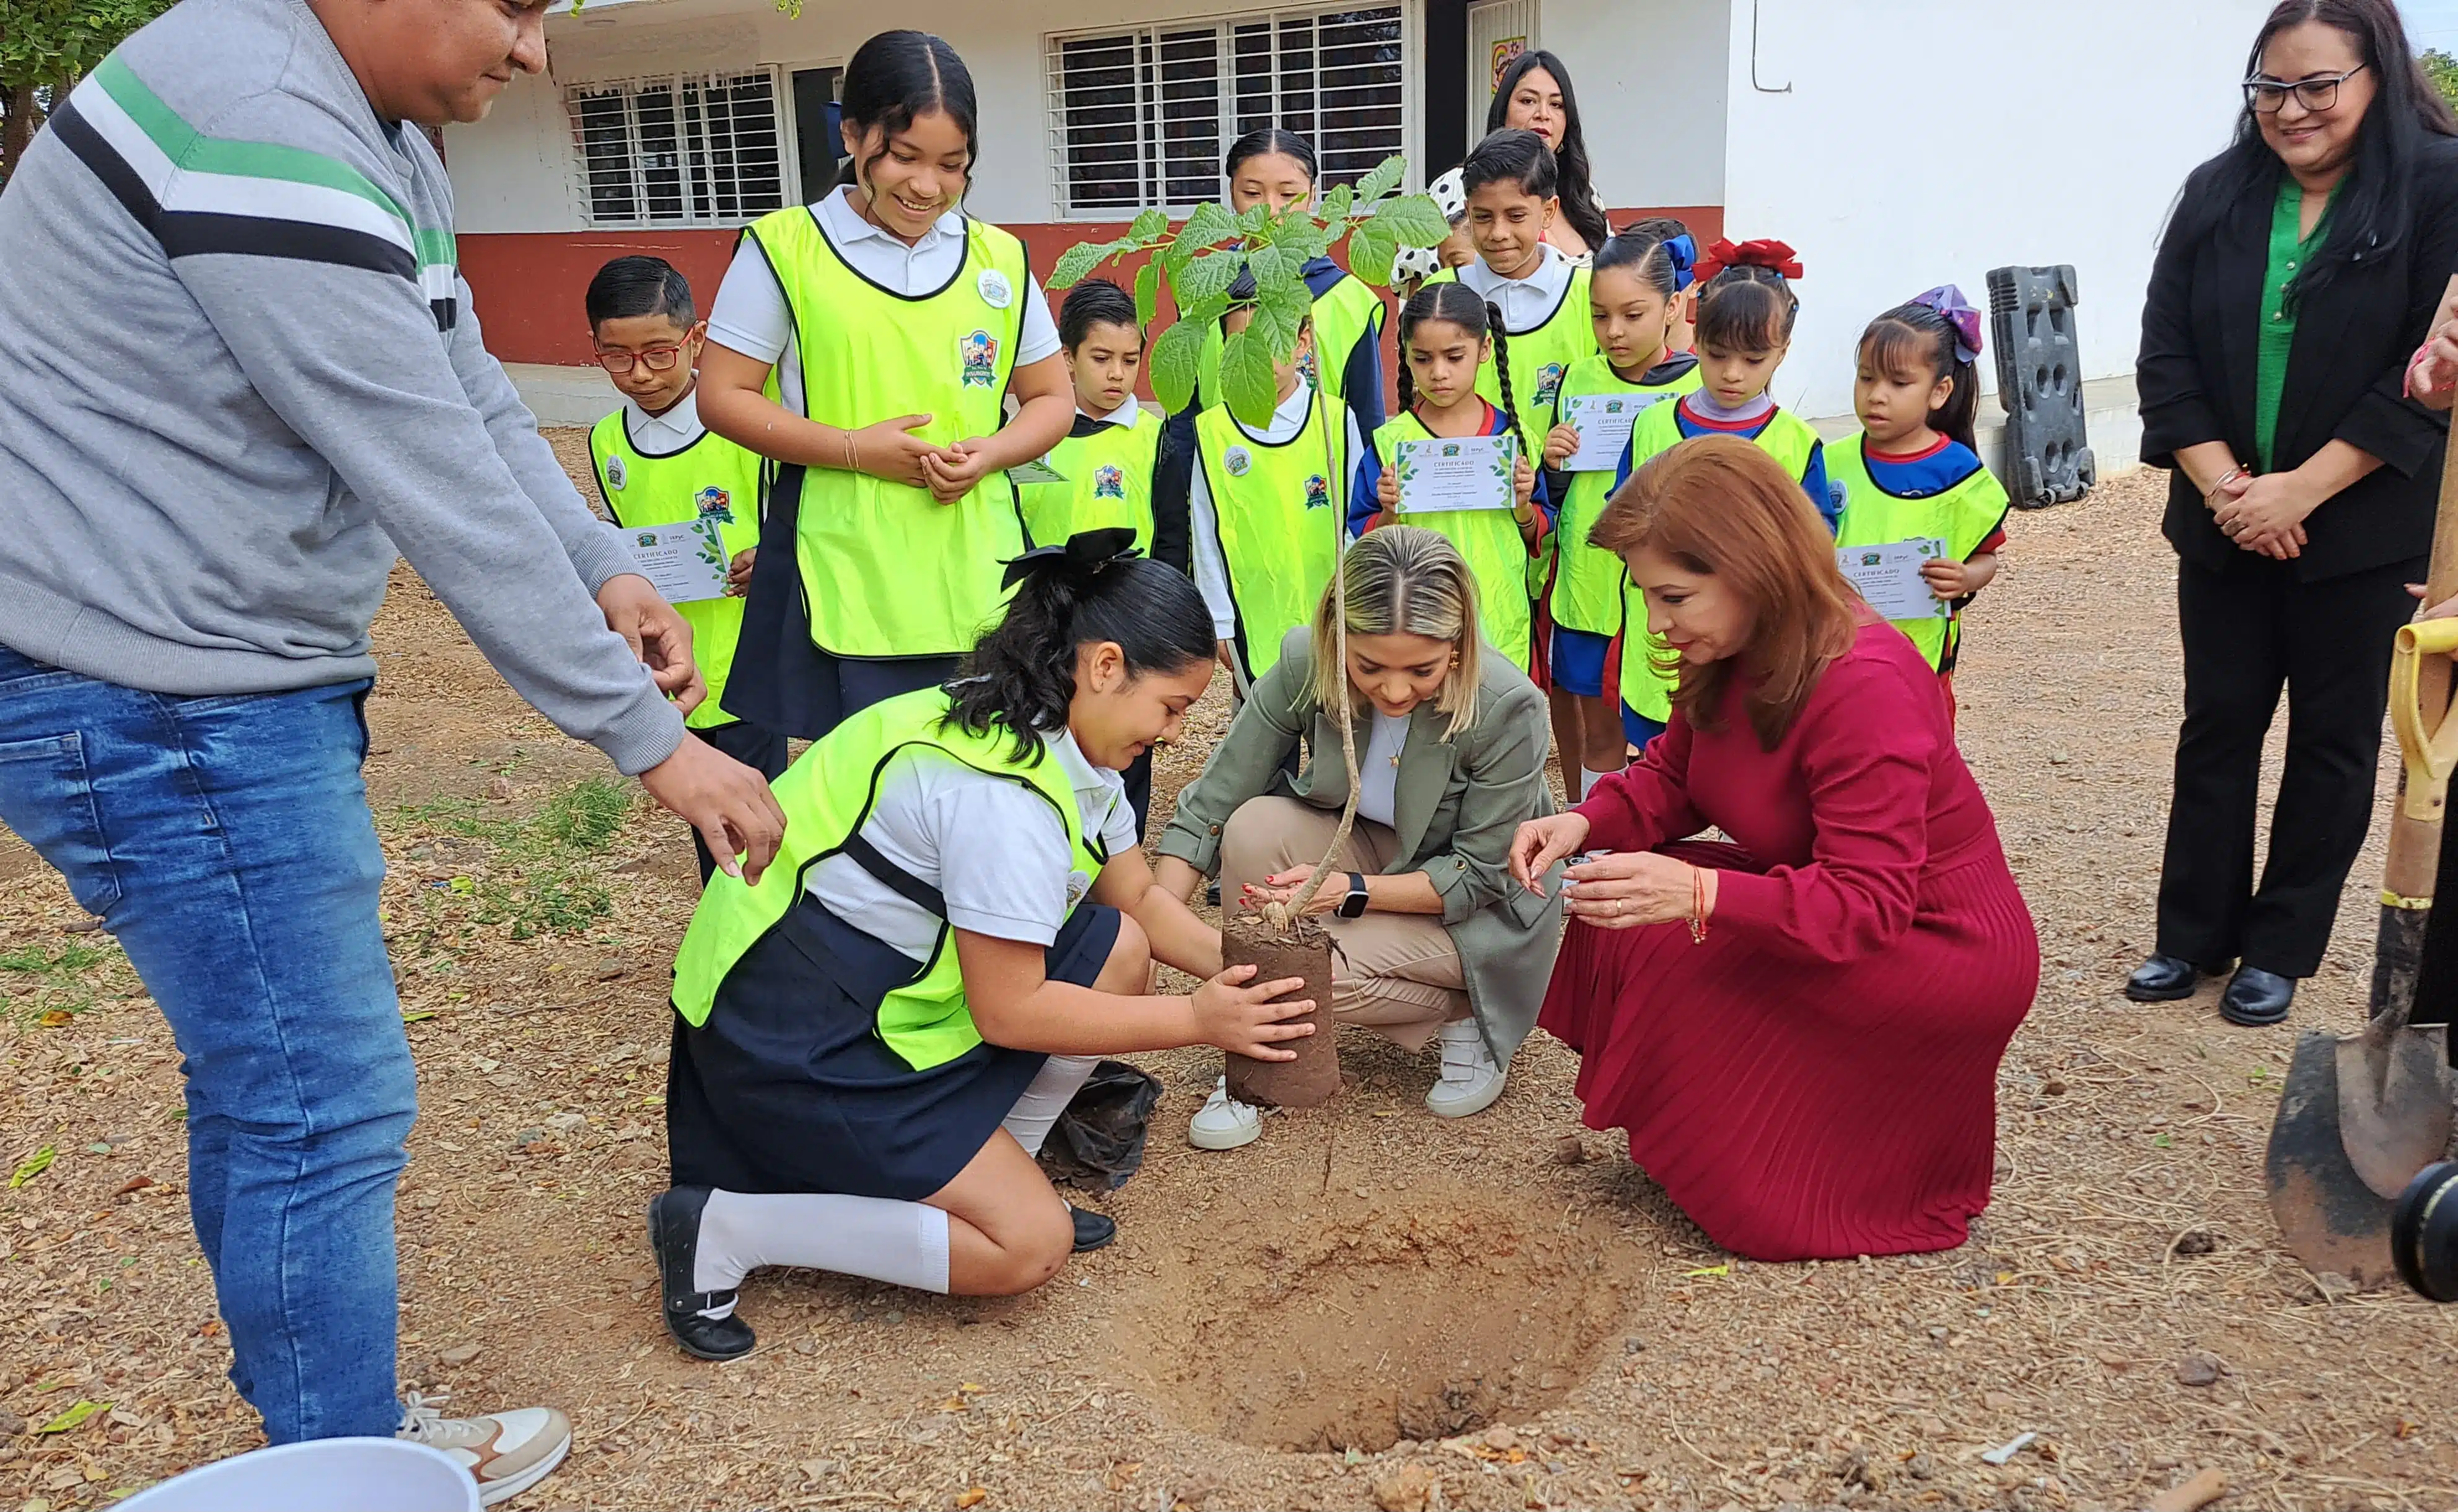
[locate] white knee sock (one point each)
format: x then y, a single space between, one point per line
901 1243
1061 1078
1587 781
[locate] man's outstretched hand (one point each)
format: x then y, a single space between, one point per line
660 637
728 803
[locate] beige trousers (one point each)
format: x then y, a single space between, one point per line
1396 974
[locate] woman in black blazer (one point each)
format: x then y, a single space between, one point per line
2300 270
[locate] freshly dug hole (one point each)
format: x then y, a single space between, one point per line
1313 1078
1436 1312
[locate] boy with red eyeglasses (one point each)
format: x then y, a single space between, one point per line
657 465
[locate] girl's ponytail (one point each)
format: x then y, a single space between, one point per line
1940 331
1502 375
1096 587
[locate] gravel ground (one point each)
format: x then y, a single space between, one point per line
1368 1308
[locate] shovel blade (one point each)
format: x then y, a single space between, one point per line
2329 1217
2394 1103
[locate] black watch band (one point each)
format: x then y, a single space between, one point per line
1353 905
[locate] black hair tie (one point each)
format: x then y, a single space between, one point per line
1083 557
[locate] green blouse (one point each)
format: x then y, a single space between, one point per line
2287 254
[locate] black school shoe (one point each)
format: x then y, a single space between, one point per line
2167 979
1092 1230
674 1234
2257 999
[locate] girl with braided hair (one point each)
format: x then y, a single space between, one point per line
1447 335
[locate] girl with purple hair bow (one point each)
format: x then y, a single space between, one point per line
1914 472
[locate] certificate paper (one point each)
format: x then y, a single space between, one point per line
1040 471
1466 472
1890 578
1603 422
685 563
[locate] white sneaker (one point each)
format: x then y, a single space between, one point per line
1224 1123
1470 1080
506 1452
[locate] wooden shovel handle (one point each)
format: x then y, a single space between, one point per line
2420 712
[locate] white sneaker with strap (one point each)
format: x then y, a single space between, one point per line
1470 1079
506 1452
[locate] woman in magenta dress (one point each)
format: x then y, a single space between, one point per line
1799 1028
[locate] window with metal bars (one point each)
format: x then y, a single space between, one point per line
697 150
1141 117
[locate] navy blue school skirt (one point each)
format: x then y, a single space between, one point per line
788 1086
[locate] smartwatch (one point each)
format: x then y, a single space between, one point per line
1353 906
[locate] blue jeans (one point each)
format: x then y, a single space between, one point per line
226 842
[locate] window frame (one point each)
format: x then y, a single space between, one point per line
1146 37
697 215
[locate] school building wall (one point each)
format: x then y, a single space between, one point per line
1651 75
1926 142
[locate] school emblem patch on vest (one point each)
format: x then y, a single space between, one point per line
1109 482
1237 460
980 352
1318 492
715 504
1548 382
996 292
614 472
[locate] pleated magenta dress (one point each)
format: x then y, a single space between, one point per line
1816 1078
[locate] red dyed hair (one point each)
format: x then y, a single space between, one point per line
1720 507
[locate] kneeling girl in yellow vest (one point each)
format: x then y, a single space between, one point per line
1746 311
872 1042
1268 506
1447 333
867 344
658 465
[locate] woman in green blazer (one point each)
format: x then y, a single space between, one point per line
1436 942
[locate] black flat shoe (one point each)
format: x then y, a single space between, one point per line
1092 1230
2166 978
2255 998
674 1234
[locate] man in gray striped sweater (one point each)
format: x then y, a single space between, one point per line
241 374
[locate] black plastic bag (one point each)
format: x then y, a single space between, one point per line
1099 1141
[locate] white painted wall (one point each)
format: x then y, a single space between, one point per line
1653 81
1926 142
514 171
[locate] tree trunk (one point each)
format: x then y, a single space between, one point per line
18 119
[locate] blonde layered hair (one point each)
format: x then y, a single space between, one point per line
1403 580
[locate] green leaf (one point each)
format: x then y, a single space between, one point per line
1413 220
1337 204
1270 265
1211 222
36 1165
1370 251
1281 314
1385 178
1074 263
1247 379
1175 360
77 1413
1148 225
1204 312
1256 219
418 1018
1304 239
1205 277
1147 294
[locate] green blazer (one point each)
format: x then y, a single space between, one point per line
1457 806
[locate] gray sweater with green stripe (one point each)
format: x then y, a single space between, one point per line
241 375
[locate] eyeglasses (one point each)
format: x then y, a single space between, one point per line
2269 96
660 359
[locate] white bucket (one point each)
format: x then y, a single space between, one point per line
365 1475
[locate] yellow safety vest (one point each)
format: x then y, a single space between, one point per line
1587 584
1109 483
1281 516
827 795
1962 516
708 478
1488 541
1788 439
887 570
